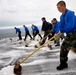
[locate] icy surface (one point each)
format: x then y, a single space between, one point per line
43 62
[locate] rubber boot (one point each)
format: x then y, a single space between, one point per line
63 64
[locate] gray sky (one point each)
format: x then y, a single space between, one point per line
19 12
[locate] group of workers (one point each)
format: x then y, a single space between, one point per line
57 29
48 28
35 31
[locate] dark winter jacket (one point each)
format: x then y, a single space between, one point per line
45 26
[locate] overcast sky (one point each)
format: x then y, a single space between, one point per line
19 12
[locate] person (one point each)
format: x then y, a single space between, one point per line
50 27
55 29
35 31
19 32
27 33
46 29
68 26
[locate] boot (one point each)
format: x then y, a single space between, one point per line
49 46
63 64
41 43
57 45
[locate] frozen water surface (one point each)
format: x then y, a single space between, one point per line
43 62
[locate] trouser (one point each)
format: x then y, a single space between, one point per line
27 33
35 33
19 35
45 34
58 38
62 36
68 42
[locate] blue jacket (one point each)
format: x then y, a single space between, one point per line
26 29
35 28
67 22
55 27
18 30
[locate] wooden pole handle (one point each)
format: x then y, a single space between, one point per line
42 39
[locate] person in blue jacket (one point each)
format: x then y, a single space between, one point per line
55 29
19 32
27 32
68 26
55 25
35 31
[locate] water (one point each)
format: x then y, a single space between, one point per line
43 62
7 33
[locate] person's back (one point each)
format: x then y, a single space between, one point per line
74 29
35 31
46 29
26 29
56 27
19 32
27 33
50 25
45 26
67 23
55 30
35 28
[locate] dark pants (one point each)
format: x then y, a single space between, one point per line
58 38
27 33
45 34
19 35
68 42
35 33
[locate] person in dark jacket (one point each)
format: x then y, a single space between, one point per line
50 27
19 32
46 29
68 26
27 33
35 31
